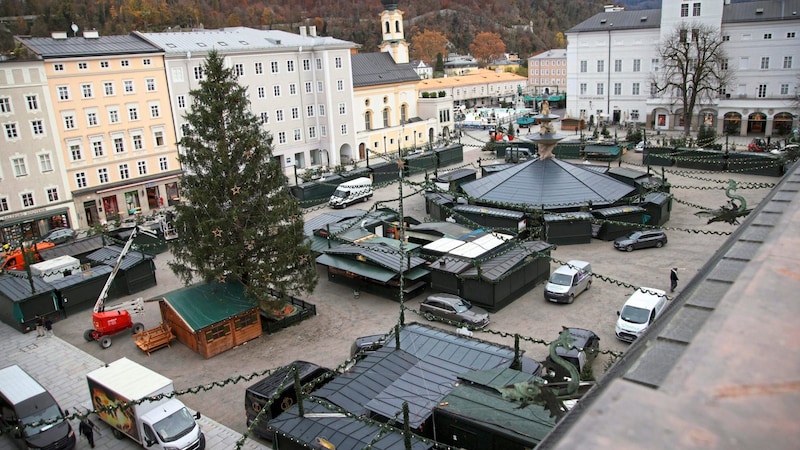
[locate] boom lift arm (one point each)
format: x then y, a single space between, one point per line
99 306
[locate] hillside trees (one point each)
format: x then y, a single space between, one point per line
426 44
239 221
487 47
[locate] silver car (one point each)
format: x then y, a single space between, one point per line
455 309
59 235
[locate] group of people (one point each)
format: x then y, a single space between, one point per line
44 326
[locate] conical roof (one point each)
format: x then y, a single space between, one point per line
548 184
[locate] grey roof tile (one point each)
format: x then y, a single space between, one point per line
48 48
379 68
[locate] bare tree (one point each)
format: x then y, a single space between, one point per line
694 68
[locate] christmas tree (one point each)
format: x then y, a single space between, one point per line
238 221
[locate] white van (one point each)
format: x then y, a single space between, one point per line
568 281
30 414
349 192
639 312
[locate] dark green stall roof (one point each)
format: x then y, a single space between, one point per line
610 150
203 305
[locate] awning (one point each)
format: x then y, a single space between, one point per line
10 220
557 98
357 267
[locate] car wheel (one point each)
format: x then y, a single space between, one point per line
428 316
588 285
105 342
88 335
629 248
659 244
138 328
571 298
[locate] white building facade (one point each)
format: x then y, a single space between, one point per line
612 57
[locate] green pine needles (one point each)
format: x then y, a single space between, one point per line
238 221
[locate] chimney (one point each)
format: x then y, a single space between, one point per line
303 30
58 34
312 30
91 34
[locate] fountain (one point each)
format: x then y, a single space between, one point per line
547 138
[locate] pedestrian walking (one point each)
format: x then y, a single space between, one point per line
48 326
86 428
673 278
40 326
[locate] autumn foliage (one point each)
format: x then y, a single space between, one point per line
426 44
486 47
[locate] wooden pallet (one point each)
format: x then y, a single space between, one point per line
154 338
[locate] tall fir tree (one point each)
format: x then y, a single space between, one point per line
239 222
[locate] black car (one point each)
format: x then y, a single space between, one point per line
641 239
585 346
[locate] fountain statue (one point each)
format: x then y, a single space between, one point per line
547 138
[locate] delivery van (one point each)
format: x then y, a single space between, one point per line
31 413
349 192
639 312
568 281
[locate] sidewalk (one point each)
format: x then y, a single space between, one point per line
61 368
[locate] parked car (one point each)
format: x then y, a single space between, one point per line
454 308
568 281
367 344
641 309
585 346
641 239
59 235
639 147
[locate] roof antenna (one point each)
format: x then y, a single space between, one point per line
74 30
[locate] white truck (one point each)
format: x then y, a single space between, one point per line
349 192
161 424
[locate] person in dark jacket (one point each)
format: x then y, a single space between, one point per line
673 278
86 428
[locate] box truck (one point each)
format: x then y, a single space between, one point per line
349 192
159 424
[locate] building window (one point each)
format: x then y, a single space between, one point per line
113 115
790 35
279 115
145 61
52 194
306 64
238 70
4 204
273 66
618 65
11 131
290 66
119 145
764 62
45 163
75 152
601 66
726 38
58 67
309 87
344 129
33 102
685 10
654 64
653 90
310 111
321 110
136 139
37 127
600 89
151 84
125 63
80 179
617 88
785 89
312 132
128 86
158 137
292 89
181 100
155 112
63 93
102 175
27 199
295 113
124 173
5 105
86 90
323 130
133 113
97 148
20 169
337 62
163 163
767 35
276 91
83 66
787 62
635 89
297 134
265 117
724 64
695 9
104 64
584 65
198 72
281 137
583 89
108 88
69 122
340 85
259 68
141 167
762 91
91 119
319 63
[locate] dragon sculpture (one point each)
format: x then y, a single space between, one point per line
729 213
537 393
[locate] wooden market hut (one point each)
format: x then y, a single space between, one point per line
211 318
658 206
568 228
82 289
618 221
21 299
136 273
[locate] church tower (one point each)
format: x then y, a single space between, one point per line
392 28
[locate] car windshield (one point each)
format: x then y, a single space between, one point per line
561 279
49 414
175 426
340 193
633 314
462 306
